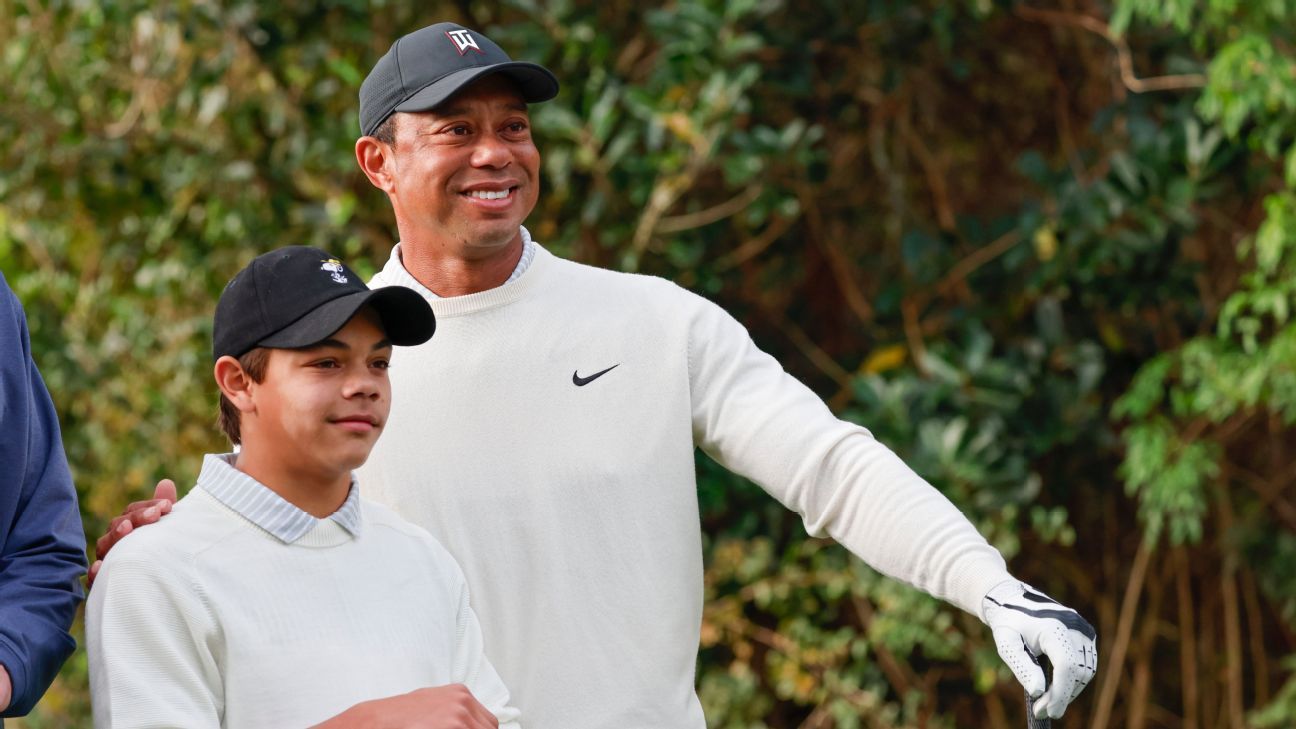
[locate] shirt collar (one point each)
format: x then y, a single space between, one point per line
255 501
395 274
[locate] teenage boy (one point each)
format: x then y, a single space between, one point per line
274 595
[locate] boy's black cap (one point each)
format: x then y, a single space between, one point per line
428 66
297 296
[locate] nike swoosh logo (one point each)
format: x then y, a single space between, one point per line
579 381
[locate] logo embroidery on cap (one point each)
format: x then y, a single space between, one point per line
334 266
463 40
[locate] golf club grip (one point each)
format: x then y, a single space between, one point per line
1031 721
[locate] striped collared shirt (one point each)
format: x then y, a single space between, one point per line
400 276
258 504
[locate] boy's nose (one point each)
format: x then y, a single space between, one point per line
365 384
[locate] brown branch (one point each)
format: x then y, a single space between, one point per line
813 352
1124 58
1140 688
1270 493
843 270
790 649
668 189
732 206
976 259
912 305
935 175
901 678
1066 137
1232 619
998 718
753 247
1255 625
1111 673
1138 698
1208 602
913 334
820 718
126 122
1187 638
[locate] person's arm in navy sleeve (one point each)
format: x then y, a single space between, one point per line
42 548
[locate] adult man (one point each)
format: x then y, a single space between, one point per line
42 548
547 440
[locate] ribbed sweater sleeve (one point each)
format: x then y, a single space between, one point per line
758 421
42 547
147 615
471 666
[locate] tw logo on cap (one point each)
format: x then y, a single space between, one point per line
463 40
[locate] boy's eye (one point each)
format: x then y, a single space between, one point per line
381 364
325 364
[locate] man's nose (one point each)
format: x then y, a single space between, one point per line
491 151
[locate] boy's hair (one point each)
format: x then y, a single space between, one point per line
253 363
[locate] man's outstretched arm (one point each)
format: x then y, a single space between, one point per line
758 421
43 553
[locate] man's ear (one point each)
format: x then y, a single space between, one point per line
234 383
374 157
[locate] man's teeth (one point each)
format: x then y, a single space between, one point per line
489 194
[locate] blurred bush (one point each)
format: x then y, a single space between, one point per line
1044 250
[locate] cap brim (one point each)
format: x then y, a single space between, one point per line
534 81
406 318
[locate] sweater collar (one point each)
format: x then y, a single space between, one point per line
530 268
255 502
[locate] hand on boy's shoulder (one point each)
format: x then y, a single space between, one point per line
439 707
137 514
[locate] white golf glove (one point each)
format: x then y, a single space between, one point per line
1027 624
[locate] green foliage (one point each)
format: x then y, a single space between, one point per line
1280 712
1244 369
948 218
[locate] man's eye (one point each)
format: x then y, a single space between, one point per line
381 364
517 127
325 364
459 130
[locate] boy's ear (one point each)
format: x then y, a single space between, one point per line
234 383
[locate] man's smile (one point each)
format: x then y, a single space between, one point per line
491 194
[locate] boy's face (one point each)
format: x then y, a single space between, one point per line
322 408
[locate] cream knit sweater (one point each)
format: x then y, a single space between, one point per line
206 620
573 509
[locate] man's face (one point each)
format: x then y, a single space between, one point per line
465 175
320 409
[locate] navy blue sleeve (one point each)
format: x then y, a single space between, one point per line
42 547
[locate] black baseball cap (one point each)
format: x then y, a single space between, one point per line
297 296
428 66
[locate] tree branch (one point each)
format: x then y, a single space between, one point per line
1124 58
1111 673
688 221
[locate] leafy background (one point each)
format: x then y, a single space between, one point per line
1046 250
